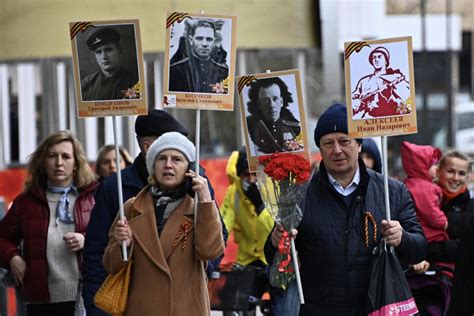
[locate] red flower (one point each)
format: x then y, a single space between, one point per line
284 166
288 173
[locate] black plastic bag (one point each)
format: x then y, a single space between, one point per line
389 292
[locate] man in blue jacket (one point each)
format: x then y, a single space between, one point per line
343 220
147 128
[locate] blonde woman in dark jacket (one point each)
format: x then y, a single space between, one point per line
50 218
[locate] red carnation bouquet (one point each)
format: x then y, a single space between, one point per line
282 180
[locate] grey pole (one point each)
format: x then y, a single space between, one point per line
449 73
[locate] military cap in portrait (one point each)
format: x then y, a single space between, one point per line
102 35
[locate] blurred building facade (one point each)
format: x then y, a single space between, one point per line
36 77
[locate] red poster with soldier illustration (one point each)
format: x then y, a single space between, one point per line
380 87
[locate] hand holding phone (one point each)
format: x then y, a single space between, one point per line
189 180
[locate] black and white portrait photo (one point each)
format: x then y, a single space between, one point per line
108 68
273 115
108 63
199 55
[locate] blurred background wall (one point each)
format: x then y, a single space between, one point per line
36 79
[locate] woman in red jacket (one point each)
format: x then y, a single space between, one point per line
50 219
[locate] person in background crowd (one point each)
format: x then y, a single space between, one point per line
333 243
245 214
49 219
168 240
462 302
457 208
147 128
420 164
452 176
370 154
105 163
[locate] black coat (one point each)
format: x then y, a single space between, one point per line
462 295
98 87
271 138
334 261
194 75
458 211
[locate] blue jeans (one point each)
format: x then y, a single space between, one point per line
285 303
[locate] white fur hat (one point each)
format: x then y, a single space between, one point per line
170 140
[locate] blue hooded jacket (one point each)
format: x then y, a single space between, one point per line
370 147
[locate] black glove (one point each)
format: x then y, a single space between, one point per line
254 196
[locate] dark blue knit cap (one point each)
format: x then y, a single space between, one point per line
333 120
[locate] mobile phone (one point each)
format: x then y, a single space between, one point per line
192 166
189 182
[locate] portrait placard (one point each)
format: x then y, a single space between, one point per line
380 87
108 68
273 115
199 62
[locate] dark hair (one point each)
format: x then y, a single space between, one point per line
254 106
202 23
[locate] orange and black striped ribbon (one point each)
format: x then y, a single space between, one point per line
184 229
369 217
354 46
79 27
176 16
245 81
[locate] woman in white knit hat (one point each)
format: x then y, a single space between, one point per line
168 246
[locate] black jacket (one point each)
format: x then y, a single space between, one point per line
462 296
334 261
276 137
194 75
98 87
458 211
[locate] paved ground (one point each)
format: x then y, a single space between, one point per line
218 313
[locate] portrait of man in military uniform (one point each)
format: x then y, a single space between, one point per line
199 63
271 125
108 64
